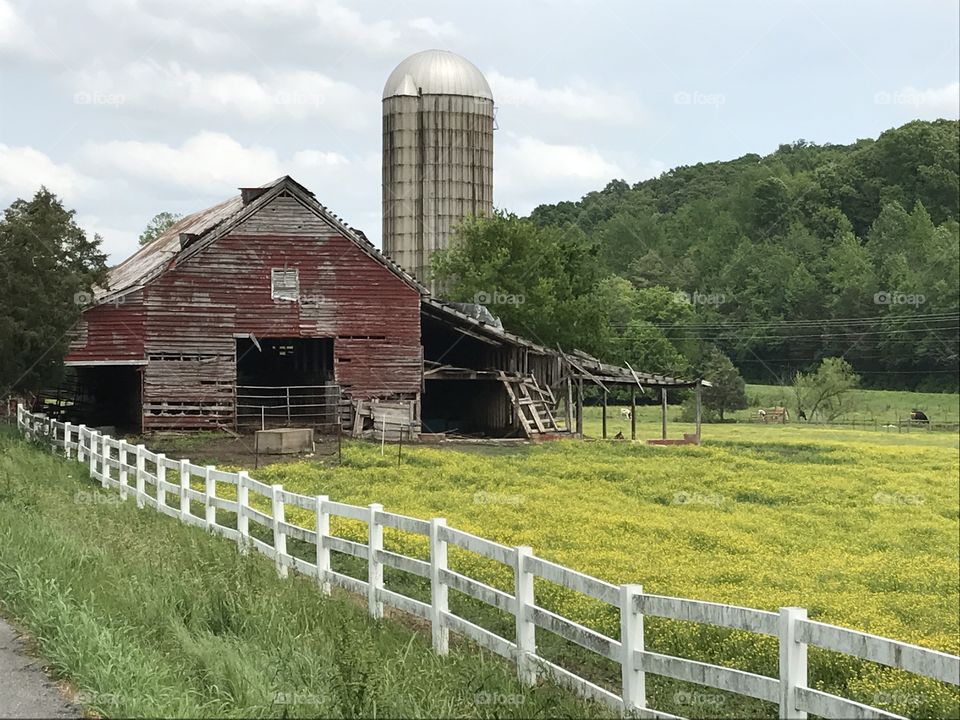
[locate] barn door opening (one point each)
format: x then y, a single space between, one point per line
286 382
109 396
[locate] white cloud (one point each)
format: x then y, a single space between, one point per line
17 38
529 171
290 93
347 23
929 103
24 169
118 243
434 29
944 101
575 101
318 159
207 162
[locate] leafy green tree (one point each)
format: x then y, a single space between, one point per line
824 393
540 281
48 269
728 391
160 223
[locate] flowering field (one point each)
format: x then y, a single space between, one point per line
859 527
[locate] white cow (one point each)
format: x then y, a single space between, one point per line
626 413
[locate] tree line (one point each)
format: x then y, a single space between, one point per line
776 262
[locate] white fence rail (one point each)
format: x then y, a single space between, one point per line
114 462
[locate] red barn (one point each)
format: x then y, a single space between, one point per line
266 290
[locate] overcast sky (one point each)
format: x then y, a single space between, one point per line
130 107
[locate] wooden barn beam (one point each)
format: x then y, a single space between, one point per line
604 414
663 413
699 405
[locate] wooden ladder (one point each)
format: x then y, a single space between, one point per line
533 403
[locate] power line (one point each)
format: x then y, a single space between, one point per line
823 336
730 324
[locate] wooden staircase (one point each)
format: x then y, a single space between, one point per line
533 404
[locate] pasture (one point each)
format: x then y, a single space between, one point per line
869 409
859 527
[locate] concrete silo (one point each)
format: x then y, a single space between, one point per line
437 154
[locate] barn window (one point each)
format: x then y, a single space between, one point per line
285 284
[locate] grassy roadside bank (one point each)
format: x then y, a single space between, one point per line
149 618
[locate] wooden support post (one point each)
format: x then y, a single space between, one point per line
279 534
526 629
374 565
699 408
210 493
141 469
580 407
633 415
243 520
604 423
323 552
793 663
568 410
67 432
438 591
631 640
663 413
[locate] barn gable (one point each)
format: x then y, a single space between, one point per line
271 292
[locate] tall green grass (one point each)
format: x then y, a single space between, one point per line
147 617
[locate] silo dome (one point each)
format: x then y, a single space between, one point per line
437 72
437 155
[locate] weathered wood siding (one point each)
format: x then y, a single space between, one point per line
109 332
195 309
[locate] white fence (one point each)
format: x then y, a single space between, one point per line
120 465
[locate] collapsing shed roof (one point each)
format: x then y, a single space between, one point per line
580 363
616 375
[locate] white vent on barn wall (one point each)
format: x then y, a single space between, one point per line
285 284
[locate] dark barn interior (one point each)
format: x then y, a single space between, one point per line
109 395
474 374
284 361
283 381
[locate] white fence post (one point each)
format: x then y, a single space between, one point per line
141 469
67 432
94 449
184 486
438 591
374 566
161 479
323 552
793 663
122 460
104 460
243 522
631 640
526 630
210 492
279 536
81 431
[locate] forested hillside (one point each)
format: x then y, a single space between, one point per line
812 251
